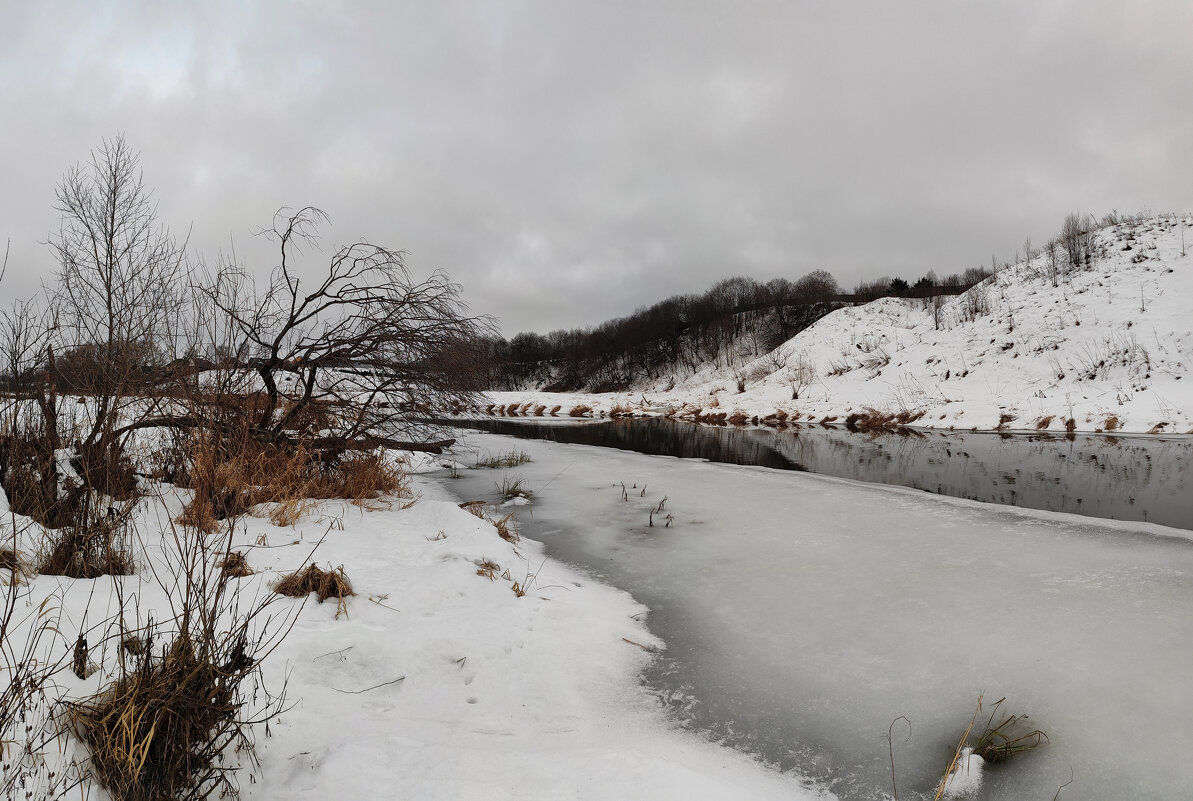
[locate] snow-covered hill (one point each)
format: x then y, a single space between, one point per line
1104 346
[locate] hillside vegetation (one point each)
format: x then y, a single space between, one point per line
1093 333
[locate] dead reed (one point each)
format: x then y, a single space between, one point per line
234 565
996 743
150 732
502 524
231 478
312 578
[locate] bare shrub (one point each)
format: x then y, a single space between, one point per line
176 715
94 544
31 659
1075 235
801 375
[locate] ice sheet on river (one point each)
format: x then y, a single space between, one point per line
803 614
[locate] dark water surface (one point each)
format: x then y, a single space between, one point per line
1121 478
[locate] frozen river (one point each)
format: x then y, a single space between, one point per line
803 614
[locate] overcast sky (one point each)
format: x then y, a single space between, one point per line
570 161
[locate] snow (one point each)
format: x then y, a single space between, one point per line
1109 347
436 682
966 778
802 614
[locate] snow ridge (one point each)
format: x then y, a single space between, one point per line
1104 346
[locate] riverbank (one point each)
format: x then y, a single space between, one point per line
466 665
1146 478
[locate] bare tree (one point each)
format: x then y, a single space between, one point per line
114 307
1075 237
1053 266
366 349
937 303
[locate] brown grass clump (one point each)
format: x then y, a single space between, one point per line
1044 422
89 548
234 565
1070 425
538 410
157 732
580 410
739 418
555 410
1112 423
875 422
621 410
230 479
312 578
487 568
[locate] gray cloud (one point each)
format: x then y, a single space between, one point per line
569 161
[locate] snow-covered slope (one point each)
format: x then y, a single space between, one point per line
1106 345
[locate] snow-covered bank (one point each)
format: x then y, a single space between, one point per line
1106 346
503 697
437 682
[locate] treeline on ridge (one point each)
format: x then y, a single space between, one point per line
680 333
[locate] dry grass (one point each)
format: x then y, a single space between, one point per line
997 742
538 410
150 733
555 410
90 547
580 410
621 410
739 418
487 568
873 421
234 565
312 578
231 479
1112 423
1044 422
508 459
502 524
